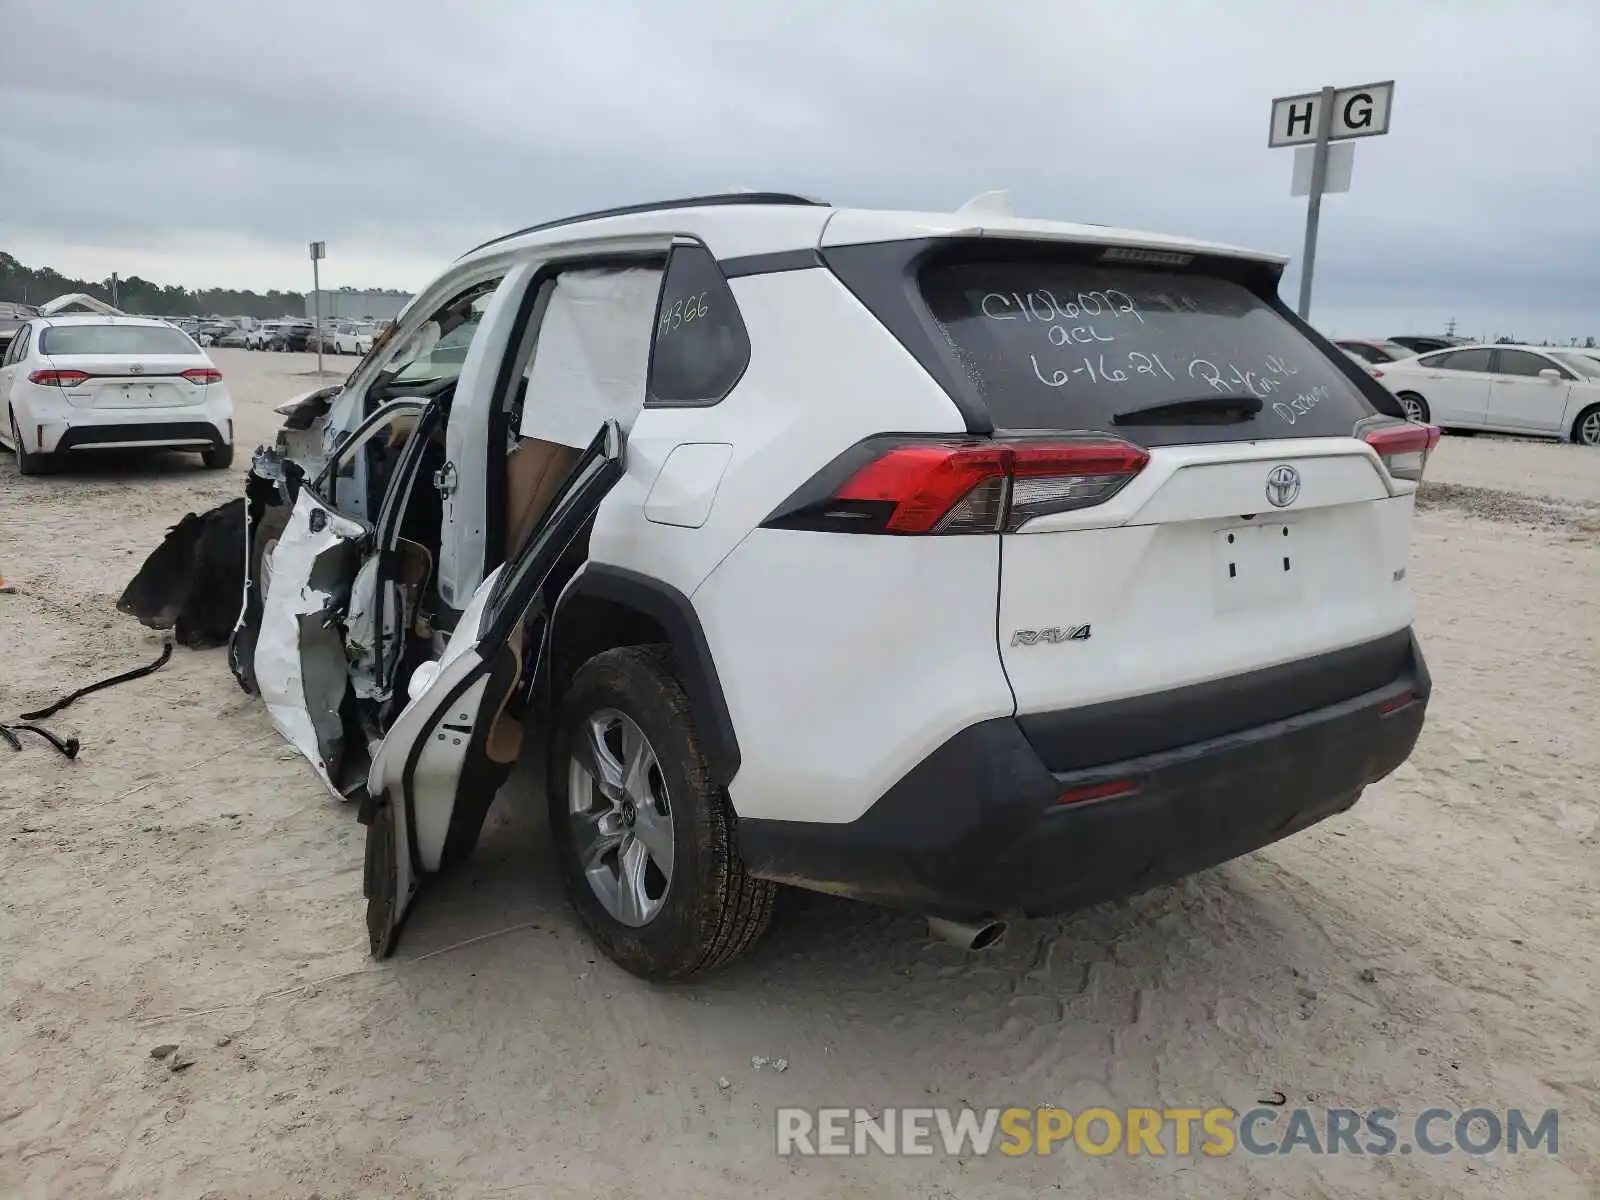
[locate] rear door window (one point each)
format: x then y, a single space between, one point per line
1458 360
1073 346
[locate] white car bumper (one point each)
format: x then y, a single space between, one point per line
53 426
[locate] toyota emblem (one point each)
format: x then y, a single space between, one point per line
136 369
1283 485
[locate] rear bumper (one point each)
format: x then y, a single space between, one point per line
977 830
132 435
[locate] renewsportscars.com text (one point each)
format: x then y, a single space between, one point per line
1158 1132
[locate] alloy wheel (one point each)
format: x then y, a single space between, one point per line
621 818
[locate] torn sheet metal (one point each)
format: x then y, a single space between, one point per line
299 655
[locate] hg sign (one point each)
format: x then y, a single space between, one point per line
1357 112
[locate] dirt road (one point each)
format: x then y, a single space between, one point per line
187 881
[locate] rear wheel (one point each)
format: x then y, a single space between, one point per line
218 457
644 838
28 463
1416 407
1586 429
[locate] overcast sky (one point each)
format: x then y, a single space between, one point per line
206 143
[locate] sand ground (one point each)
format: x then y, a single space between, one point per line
187 881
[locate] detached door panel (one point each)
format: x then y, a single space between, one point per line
439 766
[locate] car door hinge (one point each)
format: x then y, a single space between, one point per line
445 479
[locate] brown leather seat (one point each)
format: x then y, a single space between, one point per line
535 471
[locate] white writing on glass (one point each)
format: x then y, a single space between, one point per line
1292 410
1041 306
681 313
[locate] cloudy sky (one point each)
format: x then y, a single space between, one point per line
206 143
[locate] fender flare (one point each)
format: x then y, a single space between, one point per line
696 669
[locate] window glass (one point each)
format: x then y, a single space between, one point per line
1584 366
1458 360
1363 351
115 339
1520 362
701 347
1054 344
439 348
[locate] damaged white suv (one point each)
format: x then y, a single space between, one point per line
977 566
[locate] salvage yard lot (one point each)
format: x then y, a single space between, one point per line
188 881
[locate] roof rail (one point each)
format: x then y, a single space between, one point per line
717 199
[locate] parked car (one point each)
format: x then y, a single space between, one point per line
12 318
1375 351
747 553
353 339
1421 345
235 339
1536 390
295 336
76 384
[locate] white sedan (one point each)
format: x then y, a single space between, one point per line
75 384
1540 390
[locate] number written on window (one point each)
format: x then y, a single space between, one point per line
684 310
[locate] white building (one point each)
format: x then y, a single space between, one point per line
347 304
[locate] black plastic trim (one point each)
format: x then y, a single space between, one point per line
696 668
1375 394
715 200
770 264
1122 729
89 437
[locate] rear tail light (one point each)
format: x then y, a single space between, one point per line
64 379
1374 372
203 375
891 485
1403 448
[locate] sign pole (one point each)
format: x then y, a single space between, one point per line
1319 179
318 249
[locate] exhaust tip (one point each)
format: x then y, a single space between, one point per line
974 937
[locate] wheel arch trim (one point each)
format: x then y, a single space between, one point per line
696 668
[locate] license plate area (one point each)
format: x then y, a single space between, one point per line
1256 566
135 395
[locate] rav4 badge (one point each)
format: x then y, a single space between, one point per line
1052 636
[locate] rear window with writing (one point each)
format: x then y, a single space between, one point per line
1068 346
701 348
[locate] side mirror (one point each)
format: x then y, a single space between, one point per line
1551 374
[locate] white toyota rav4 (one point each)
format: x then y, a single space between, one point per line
977 566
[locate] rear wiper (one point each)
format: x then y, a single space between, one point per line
1202 410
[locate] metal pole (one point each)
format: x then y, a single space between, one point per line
316 304
1319 179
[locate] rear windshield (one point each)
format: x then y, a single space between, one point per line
1076 346
115 339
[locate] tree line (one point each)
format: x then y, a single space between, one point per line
30 285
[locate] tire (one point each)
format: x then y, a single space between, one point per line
1586 429
709 911
28 463
1416 407
218 458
